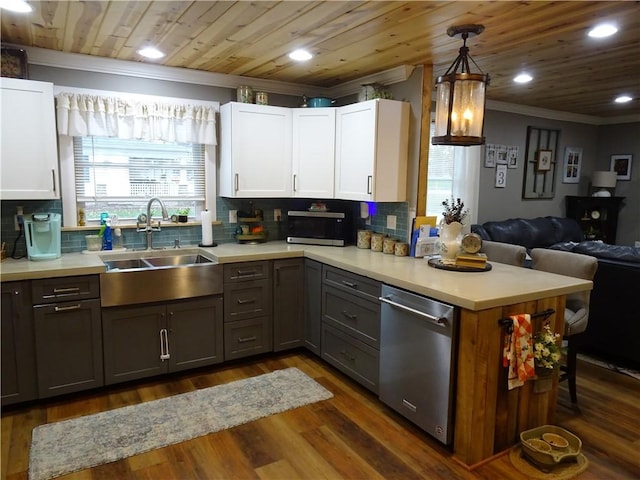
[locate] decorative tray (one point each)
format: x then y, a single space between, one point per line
543 451
437 263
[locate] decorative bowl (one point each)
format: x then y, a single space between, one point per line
556 441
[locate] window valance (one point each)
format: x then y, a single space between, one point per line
128 118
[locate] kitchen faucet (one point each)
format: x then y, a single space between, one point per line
149 229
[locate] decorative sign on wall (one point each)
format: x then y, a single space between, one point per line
500 155
501 176
540 163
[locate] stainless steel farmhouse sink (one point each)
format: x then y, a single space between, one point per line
156 276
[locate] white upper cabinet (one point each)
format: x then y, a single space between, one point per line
313 152
255 151
29 160
372 141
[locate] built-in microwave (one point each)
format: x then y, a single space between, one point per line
318 228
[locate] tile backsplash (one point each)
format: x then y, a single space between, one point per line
74 241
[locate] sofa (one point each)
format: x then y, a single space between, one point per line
613 333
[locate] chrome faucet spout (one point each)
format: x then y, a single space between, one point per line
149 229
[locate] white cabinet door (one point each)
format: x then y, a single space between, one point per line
29 160
372 140
313 152
255 151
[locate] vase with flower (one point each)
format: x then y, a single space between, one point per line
450 231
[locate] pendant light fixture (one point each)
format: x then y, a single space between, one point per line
460 97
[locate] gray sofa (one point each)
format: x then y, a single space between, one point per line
614 322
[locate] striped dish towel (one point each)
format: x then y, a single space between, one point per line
518 351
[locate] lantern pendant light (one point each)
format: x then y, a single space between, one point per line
460 97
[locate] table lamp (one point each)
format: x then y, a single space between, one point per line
602 180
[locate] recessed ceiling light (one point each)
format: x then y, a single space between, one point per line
300 55
150 52
19 6
623 99
522 78
603 30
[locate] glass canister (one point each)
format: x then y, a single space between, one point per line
262 98
245 94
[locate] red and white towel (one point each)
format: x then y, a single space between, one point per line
518 351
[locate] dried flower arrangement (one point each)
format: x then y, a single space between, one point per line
454 211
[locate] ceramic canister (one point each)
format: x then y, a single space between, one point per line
377 240
364 239
401 249
388 245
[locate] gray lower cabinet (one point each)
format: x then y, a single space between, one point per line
288 304
351 325
312 305
152 339
247 309
19 382
68 334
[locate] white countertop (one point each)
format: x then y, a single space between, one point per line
502 285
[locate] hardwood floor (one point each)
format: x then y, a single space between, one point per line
351 436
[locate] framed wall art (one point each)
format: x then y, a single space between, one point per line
571 165
621 164
540 163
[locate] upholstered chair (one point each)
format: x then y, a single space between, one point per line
576 313
504 252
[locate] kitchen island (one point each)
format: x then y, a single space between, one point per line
488 417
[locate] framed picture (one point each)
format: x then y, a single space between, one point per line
501 159
621 164
14 63
512 156
543 160
490 154
571 165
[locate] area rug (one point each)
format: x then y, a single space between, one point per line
562 471
72 445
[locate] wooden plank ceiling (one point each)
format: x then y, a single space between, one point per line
351 39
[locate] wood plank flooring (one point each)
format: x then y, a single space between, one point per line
351 436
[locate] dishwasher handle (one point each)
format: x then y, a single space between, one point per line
440 321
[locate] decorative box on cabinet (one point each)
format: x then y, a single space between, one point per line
314 134
151 339
255 151
351 325
288 304
68 334
19 383
247 309
29 158
598 216
372 141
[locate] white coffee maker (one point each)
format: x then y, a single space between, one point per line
42 233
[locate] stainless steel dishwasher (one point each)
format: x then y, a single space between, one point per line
417 358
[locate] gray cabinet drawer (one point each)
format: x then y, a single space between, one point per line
352 357
352 283
247 300
241 272
65 289
247 337
353 315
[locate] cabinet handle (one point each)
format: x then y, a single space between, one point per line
53 177
255 310
277 277
245 301
236 182
347 355
245 273
369 180
350 284
247 339
350 316
295 177
164 345
66 309
66 290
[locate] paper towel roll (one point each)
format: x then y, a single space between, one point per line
207 228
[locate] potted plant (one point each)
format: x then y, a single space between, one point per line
453 217
546 351
183 215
